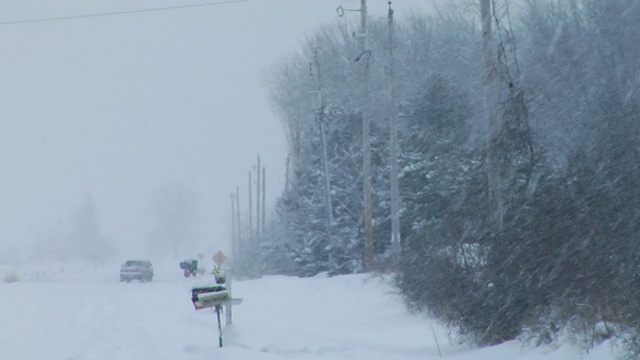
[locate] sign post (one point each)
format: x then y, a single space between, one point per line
220 258
218 309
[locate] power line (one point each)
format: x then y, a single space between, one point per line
114 13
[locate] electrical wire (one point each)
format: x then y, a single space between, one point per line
123 12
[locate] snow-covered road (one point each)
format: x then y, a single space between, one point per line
90 315
87 320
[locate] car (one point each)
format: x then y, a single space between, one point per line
141 270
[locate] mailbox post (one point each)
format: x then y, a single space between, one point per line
216 296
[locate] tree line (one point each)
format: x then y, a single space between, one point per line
530 226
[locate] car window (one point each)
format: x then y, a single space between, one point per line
137 263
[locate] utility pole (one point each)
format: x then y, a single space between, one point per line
298 157
365 56
393 143
250 210
319 108
234 239
493 118
264 199
287 181
366 138
238 220
258 209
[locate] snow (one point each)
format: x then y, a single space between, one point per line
77 311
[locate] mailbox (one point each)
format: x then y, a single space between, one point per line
209 296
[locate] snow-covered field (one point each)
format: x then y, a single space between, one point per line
61 313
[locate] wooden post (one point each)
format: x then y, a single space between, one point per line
218 309
227 309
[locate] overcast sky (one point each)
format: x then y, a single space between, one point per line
121 106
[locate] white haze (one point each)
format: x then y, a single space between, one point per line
120 107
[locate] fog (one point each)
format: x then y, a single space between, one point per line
125 109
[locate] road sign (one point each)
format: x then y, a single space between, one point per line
219 258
